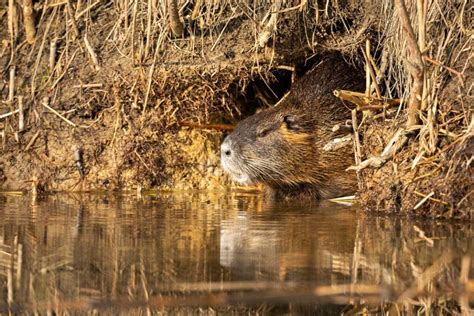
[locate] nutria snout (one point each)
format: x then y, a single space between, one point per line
232 162
282 146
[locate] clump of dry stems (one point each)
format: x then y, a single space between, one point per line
130 70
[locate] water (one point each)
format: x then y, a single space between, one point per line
208 253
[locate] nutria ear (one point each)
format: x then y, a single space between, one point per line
292 123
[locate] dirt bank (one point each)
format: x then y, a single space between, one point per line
95 94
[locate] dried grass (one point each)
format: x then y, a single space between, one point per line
129 71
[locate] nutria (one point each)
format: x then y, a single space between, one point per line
282 146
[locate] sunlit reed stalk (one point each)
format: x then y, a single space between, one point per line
416 66
28 21
52 54
12 24
21 114
176 25
11 87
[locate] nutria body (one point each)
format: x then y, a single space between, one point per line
282 146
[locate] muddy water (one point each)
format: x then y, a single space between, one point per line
232 253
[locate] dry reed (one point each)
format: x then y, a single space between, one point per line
174 61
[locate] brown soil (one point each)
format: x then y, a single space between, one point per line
123 113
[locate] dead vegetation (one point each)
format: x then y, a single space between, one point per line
115 79
81 252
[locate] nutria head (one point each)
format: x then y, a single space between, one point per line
267 147
282 146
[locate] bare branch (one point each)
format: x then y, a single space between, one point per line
29 21
417 71
176 25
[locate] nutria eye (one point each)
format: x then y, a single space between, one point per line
291 122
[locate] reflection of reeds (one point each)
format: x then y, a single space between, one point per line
468 285
223 294
11 259
420 285
148 254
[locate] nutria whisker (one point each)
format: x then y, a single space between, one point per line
265 169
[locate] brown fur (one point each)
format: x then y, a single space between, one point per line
295 138
282 146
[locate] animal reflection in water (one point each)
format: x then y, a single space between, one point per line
256 250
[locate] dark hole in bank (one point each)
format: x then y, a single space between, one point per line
262 92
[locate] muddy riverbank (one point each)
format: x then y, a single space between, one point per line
106 96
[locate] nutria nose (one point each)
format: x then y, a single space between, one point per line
226 148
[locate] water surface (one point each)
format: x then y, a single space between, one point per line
231 253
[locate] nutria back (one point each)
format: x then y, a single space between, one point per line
282 147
